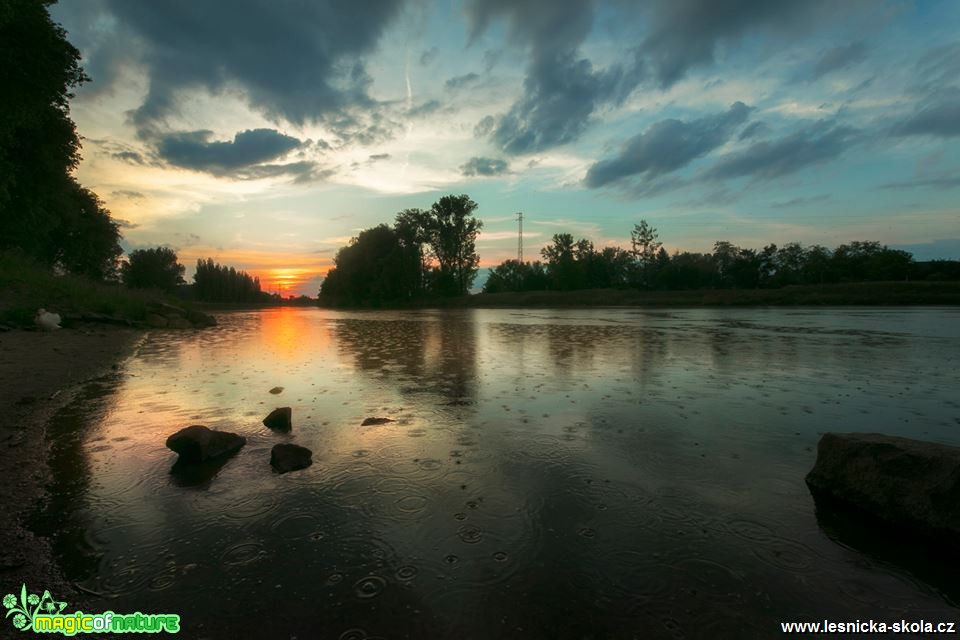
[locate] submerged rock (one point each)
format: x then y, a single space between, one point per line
907 483
374 421
280 419
197 443
290 457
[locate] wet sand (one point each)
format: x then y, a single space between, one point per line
39 374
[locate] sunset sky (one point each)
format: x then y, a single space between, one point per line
267 134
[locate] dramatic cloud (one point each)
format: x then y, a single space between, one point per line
484 167
666 146
194 150
817 143
561 89
294 60
839 58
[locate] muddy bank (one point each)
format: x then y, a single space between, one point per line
39 374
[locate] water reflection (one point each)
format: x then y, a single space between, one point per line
607 473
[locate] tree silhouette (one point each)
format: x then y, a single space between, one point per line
153 269
43 211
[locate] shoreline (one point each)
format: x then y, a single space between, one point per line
40 374
865 294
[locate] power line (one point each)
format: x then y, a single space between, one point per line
520 238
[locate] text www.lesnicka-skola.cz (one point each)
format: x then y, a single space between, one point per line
868 626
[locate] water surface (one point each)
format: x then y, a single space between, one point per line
578 473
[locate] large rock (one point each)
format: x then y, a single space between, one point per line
280 419
197 443
907 483
290 457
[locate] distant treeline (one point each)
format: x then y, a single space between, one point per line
570 264
425 253
218 283
160 269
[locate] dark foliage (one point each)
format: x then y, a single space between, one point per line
153 269
426 253
43 211
215 282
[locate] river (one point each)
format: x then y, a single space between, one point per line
598 473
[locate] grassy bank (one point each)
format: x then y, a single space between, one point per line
26 286
848 294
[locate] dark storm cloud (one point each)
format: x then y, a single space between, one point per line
294 60
817 143
667 146
687 33
195 150
484 167
561 89
839 58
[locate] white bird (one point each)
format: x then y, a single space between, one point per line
47 321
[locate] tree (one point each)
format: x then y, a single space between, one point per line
561 262
153 269
213 282
451 231
644 247
512 275
368 271
43 211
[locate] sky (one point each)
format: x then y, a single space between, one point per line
266 134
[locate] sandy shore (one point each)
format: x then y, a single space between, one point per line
39 374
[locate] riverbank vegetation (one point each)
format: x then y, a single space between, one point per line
426 254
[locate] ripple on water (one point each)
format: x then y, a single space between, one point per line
295 526
412 503
243 553
406 573
369 587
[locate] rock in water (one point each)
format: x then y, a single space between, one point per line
197 443
908 483
290 457
280 419
374 421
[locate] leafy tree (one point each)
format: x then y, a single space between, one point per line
451 231
369 271
512 275
43 211
153 269
561 262
644 246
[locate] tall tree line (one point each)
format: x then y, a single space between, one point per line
215 282
44 212
427 252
